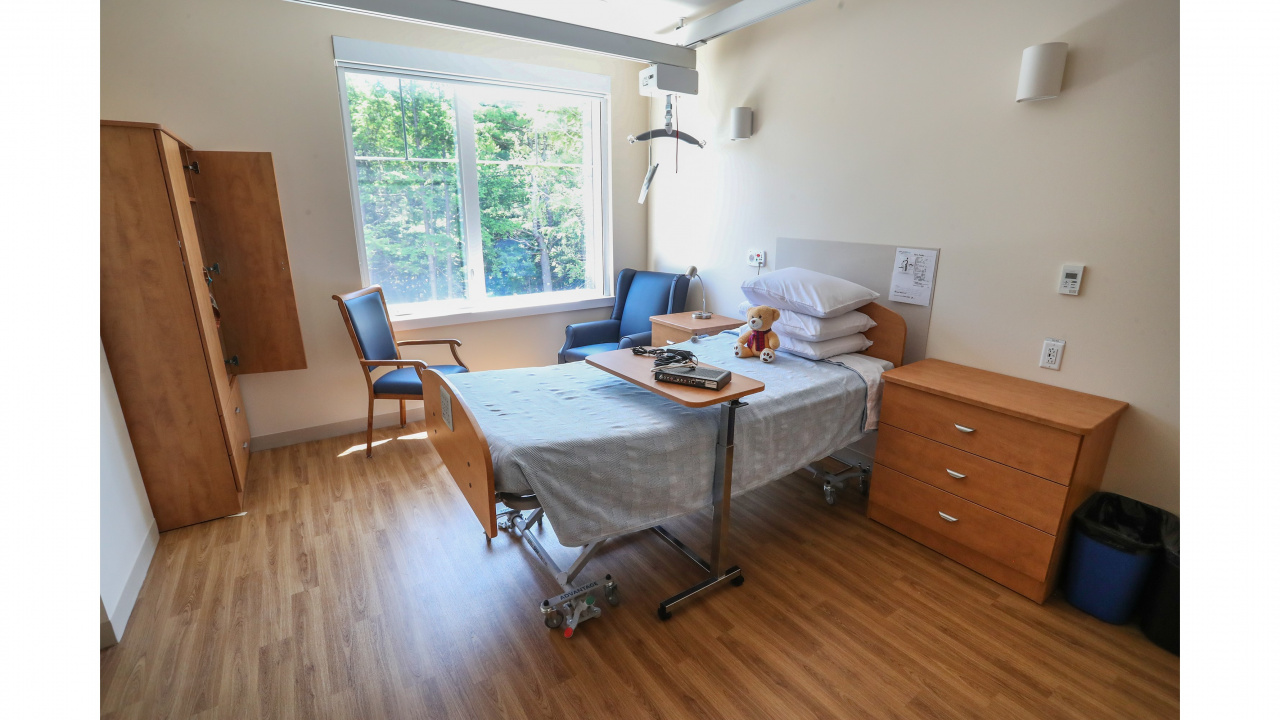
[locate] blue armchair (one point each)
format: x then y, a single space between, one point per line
640 295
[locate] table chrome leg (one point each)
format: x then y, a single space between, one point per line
721 495
677 544
722 488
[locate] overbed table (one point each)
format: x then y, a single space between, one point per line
637 369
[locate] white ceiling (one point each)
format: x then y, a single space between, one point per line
649 19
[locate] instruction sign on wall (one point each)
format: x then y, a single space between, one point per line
913 272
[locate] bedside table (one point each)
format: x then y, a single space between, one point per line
678 327
987 469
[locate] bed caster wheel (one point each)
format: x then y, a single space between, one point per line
663 615
611 595
737 582
551 617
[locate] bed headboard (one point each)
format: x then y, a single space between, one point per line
871 266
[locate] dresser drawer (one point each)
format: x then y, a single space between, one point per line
1009 542
1035 448
1023 497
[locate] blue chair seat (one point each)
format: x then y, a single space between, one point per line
581 353
404 381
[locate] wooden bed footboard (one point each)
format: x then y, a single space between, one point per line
457 436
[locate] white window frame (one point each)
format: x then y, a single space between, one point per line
399 61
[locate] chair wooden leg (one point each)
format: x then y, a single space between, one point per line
368 439
403 417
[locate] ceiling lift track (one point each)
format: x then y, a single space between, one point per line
486 20
504 23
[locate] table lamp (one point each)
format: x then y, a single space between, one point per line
699 314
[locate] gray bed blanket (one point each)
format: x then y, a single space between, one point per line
606 457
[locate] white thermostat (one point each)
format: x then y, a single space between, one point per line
1072 276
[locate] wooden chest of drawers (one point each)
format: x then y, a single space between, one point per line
987 469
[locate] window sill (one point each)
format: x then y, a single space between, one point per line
422 315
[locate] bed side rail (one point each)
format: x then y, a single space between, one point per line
456 435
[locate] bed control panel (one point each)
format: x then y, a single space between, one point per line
446 408
1069 282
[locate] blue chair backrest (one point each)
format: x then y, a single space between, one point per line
369 319
650 293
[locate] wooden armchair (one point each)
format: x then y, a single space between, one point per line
365 313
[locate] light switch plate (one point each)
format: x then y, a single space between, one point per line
1070 280
1051 353
755 258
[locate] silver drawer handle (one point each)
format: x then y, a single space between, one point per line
947 517
237 411
964 429
955 474
246 445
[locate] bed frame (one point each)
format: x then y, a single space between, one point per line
456 435
462 446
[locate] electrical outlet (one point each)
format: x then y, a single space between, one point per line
755 258
1051 354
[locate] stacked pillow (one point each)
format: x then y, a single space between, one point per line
819 313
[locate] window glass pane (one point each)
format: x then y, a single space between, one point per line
532 223
530 131
538 228
377 125
412 221
428 115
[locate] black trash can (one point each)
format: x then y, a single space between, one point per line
1160 613
1114 544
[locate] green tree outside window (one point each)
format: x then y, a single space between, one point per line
532 167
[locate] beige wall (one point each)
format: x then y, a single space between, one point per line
894 122
259 75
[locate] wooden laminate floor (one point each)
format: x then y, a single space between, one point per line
358 588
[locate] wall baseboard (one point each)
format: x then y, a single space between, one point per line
106 635
335 429
118 614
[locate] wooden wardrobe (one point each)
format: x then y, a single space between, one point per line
196 290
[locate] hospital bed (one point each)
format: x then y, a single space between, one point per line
600 457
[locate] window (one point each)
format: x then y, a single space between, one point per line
475 196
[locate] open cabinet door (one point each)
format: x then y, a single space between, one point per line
242 233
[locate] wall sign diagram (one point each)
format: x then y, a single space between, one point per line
913 272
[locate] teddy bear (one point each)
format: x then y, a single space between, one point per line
760 339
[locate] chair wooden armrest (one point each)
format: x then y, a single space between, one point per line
449 341
453 347
421 365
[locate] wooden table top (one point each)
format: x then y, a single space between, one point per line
686 321
637 369
1068 410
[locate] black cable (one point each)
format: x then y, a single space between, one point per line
663 357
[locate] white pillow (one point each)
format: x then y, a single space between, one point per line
815 329
807 292
826 348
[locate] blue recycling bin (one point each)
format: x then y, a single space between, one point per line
1115 542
